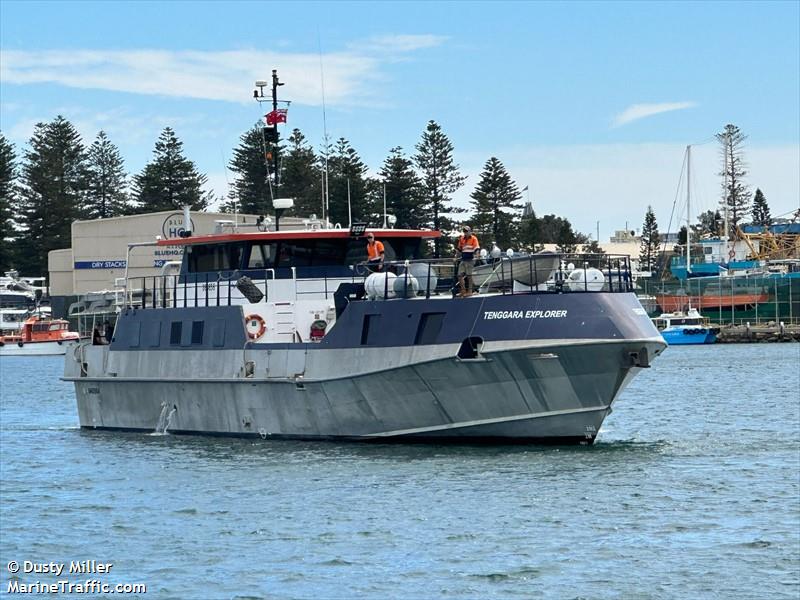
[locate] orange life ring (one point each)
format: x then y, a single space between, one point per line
251 322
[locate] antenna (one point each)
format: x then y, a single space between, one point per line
270 132
235 199
349 207
384 204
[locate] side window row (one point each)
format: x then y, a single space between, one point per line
148 334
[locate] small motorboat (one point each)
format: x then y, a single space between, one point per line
527 269
39 336
679 328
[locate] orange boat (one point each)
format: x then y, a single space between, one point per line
681 302
39 337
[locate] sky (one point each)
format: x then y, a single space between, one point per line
590 105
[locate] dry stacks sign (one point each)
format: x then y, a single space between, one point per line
172 228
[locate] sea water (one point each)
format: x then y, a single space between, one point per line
692 490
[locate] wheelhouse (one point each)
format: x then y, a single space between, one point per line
292 254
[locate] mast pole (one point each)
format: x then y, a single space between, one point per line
275 84
688 211
725 189
384 205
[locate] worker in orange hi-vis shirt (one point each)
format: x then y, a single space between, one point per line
468 245
375 253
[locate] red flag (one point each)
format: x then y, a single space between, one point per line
276 116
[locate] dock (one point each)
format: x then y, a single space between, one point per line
759 332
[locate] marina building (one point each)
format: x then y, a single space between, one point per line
98 255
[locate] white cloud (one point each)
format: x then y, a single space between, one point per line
226 75
639 111
398 43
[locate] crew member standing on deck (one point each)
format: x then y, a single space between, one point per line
375 253
467 245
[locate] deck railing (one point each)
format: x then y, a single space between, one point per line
526 274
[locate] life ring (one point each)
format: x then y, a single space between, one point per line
731 254
255 326
20 344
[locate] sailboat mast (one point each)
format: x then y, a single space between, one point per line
688 210
725 189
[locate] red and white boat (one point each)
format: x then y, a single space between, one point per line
39 337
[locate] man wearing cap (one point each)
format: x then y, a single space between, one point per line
467 245
375 253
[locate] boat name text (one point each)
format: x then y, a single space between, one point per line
524 314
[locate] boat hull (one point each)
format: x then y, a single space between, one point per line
679 303
689 337
50 348
514 368
555 393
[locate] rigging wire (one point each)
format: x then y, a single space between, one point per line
231 194
674 204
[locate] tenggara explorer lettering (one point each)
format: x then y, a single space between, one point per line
524 314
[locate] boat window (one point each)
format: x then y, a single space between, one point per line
329 252
40 327
55 327
262 256
175 333
214 257
295 254
370 331
197 332
430 324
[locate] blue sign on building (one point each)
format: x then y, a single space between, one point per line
100 264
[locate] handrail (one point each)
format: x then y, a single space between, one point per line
440 278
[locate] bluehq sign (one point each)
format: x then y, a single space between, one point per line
171 228
100 264
173 225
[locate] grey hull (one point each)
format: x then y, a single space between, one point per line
543 393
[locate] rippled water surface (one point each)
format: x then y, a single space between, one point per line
691 491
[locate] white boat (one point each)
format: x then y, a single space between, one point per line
685 328
11 319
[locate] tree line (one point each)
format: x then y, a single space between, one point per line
57 179
736 201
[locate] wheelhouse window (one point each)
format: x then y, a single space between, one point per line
315 252
214 257
298 253
262 256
